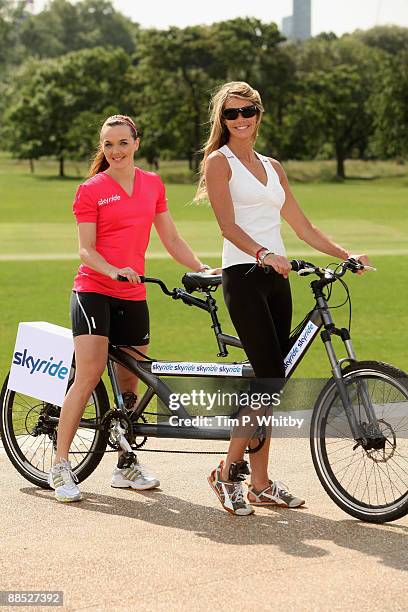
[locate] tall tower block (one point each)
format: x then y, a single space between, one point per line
299 25
302 19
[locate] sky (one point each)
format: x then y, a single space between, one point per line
337 16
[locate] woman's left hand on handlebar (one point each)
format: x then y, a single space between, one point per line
362 259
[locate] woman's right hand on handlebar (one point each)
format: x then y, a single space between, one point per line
279 263
129 273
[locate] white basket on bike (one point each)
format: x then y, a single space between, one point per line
41 362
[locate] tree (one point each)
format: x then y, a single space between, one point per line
12 14
174 80
178 69
390 108
243 47
63 27
252 51
389 38
50 114
332 106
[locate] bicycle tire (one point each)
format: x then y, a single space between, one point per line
19 415
375 500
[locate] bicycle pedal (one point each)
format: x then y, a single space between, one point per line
238 471
126 460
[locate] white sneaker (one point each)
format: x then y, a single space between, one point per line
135 476
62 479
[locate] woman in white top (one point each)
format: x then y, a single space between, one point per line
249 193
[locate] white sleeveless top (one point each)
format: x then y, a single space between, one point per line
256 207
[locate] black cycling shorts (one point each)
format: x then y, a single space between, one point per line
260 307
124 322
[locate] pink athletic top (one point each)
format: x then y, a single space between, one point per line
123 225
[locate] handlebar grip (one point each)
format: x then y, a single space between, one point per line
124 279
354 265
295 263
300 264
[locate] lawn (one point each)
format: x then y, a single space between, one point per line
38 261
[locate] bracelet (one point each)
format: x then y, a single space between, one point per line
203 268
263 256
257 254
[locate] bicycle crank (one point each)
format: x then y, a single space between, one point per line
120 431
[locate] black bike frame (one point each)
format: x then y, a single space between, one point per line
150 372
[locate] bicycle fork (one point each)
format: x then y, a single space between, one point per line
375 438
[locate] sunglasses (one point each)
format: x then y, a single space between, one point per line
246 111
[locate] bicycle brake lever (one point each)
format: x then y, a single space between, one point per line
305 271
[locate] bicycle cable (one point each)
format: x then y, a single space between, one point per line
298 329
135 350
348 298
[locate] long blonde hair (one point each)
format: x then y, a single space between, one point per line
219 134
99 163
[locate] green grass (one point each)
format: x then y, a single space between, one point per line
177 171
39 291
36 222
36 215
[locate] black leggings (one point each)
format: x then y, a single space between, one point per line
260 307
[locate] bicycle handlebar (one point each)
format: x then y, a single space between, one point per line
147 279
301 267
304 268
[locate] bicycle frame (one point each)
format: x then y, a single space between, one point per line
150 371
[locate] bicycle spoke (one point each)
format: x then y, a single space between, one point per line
372 478
35 453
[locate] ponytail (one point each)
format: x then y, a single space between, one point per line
98 164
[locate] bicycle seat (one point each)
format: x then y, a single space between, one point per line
200 280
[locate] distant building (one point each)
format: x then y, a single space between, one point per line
299 25
287 26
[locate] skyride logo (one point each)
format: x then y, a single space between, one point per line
197 369
104 201
41 361
300 345
42 366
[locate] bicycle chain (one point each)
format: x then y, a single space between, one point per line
156 450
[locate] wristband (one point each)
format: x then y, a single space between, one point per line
257 256
263 256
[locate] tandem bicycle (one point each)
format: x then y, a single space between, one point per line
359 422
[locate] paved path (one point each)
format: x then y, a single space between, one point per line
176 549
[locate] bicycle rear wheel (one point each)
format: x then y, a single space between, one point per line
371 485
28 429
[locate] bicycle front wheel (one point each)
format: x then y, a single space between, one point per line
28 429
369 484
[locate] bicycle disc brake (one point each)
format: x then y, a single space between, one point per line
386 450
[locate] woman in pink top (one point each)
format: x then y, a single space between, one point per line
115 210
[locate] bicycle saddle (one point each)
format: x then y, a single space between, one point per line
200 280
